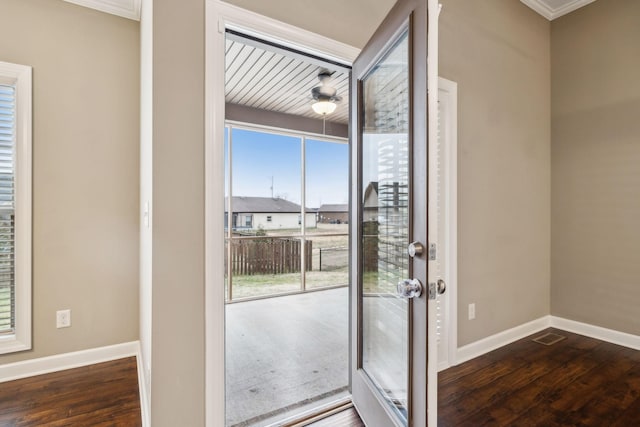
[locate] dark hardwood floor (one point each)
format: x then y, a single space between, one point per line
578 381
105 394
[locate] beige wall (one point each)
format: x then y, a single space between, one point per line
498 53
85 170
177 343
596 165
348 21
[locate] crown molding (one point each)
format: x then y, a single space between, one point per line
551 13
129 9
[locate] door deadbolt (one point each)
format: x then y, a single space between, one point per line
415 249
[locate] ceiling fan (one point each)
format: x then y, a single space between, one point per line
325 95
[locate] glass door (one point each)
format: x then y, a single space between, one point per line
389 154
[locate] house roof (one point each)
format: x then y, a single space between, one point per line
373 186
334 208
264 205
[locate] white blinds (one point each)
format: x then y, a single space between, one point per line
7 208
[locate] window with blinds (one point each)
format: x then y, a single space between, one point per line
15 207
7 210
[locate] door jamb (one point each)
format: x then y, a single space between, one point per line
219 16
434 9
450 164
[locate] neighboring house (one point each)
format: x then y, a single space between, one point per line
252 213
333 214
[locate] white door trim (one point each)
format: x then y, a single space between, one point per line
448 94
268 29
432 82
220 16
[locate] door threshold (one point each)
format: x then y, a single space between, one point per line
316 414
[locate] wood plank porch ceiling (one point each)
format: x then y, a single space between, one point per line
273 81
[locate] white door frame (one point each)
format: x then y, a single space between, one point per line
432 127
448 94
220 16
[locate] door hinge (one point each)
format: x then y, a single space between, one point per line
433 252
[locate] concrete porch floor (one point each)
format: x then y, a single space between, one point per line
285 354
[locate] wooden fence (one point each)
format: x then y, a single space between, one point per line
370 242
269 256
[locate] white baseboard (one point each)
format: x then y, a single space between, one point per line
145 409
485 345
597 332
60 362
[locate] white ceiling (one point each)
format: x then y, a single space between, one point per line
552 9
274 80
126 8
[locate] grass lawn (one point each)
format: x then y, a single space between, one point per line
334 263
271 284
335 268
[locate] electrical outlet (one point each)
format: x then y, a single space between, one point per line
472 311
63 318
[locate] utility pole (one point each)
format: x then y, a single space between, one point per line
272 186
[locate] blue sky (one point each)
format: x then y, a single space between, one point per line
257 157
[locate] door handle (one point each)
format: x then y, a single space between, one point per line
410 288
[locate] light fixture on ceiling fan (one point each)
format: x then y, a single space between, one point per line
325 96
324 107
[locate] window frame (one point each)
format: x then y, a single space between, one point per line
20 76
302 233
